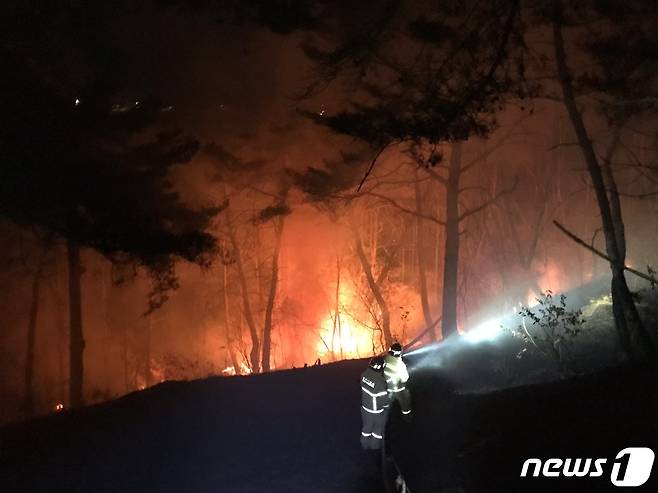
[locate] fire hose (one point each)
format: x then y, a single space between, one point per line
392 477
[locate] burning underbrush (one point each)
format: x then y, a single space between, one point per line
353 328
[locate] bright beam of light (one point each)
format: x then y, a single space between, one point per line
425 349
431 355
486 331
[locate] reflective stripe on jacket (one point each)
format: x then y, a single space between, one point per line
395 373
374 394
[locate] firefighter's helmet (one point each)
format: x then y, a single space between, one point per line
377 363
395 350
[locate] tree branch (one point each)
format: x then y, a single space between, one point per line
490 150
436 176
391 256
372 165
487 203
562 144
582 243
404 209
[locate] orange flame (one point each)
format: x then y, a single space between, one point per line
343 337
231 371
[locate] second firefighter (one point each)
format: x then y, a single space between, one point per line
375 400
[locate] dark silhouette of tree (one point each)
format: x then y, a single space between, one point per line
375 287
235 174
626 44
433 76
279 16
425 77
276 214
86 163
36 262
422 262
254 354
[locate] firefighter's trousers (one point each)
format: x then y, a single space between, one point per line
372 429
404 400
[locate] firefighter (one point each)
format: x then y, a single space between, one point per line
375 400
396 374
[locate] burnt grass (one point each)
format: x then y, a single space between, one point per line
298 431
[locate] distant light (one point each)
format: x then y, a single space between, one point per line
136 103
59 407
486 331
77 102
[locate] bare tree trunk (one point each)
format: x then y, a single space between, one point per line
374 237
147 351
337 322
632 333
613 194
438 240
374 287
246 304
271 298
60 324
31 338
124 348
451 252
76 339
259 264
617 288
422 264
227 322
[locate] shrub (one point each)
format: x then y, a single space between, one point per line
553 327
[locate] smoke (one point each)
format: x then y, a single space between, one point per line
488 357
233 86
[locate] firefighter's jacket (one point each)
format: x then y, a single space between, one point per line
395 373
374 394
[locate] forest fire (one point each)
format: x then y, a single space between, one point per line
230 371
343 336
219 217
344 339
305 186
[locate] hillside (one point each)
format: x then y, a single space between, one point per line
298 430
294 430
